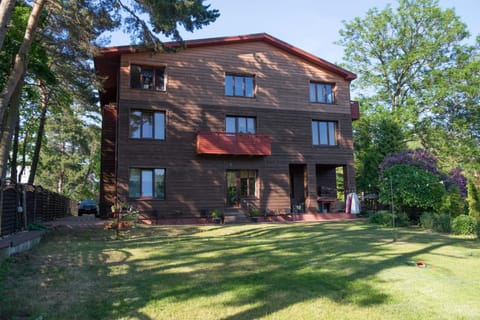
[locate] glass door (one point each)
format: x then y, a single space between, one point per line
233 199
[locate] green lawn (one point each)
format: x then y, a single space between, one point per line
258 271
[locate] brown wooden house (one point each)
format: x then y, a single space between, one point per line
235 122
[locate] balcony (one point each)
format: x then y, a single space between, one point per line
355 110
222 143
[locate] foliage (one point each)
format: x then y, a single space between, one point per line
216 213
417 183
394 52
385 219
411 186
436 222
254 212
427 220
375 136
68 158
419 158
464 225
457 182
452 203
473 201
443 223
413 62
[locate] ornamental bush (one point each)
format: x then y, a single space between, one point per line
412 188
464 225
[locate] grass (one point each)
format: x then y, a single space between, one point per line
258 271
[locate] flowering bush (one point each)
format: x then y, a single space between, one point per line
419 158
412 188
457 179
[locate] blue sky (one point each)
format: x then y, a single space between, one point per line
311 25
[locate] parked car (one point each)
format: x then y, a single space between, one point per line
87 207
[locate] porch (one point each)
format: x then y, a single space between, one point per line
319 188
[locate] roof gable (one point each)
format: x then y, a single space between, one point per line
112 52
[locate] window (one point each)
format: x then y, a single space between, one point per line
324 133
322 93
147 183
248 179
147 78
239 124
239 86
147 125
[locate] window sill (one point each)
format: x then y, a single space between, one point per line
152 90
145 199
245 97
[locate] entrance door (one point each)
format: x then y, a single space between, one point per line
241 184
298 187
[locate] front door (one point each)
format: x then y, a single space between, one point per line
241 184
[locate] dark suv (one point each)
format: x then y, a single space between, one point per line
87 207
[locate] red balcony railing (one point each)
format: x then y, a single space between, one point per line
223 143
355 109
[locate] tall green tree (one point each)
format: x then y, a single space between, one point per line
394 52
375 136
414 62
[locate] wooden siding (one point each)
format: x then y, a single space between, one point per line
194 101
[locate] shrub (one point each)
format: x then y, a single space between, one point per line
478 228
464 225
452 203
427 220
442 223
473 201
384 218
412 188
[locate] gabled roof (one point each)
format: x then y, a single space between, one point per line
111 55
113 51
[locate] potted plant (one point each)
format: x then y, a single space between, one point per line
216 215
254 213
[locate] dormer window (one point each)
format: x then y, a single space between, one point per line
239 85
147 78
322 92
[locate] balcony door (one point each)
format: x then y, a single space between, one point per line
241 184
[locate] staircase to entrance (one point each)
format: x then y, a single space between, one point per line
235 215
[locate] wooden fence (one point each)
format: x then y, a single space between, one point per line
25 205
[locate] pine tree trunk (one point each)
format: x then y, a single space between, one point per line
13 160
6 10
9 121
15 80
38 145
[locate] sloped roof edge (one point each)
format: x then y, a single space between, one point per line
347 75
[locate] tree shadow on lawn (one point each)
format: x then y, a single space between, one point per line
269 267
292 264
